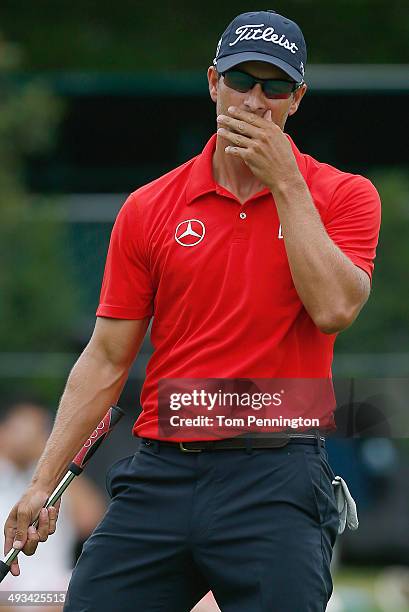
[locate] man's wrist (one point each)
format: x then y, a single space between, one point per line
45 485
289 185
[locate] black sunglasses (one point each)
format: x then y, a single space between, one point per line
275 89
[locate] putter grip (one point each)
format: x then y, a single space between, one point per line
4 570
99 434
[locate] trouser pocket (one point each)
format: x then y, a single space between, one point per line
114 473
320 475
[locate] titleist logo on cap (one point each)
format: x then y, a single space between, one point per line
263 36
254 32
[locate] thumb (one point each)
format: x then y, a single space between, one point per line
267 115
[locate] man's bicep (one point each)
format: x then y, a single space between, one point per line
118 340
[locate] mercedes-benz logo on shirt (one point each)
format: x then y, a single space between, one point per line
190 232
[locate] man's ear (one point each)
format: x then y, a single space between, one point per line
213 79
297 97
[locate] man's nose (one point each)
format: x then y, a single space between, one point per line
255 99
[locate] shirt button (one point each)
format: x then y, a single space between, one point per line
243 215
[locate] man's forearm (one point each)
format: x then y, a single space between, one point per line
328 283
93 385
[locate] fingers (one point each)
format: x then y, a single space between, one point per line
28 541
235 125
43 525
34 536
9 533
235 139
53 516
9 536
250 118
24 519
19 533
237 152
242 127
32 541
15 568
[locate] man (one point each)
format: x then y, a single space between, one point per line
251 257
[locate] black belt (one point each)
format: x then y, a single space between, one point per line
238 443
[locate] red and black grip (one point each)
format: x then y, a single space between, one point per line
114 414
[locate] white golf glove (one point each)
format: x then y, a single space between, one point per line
346 505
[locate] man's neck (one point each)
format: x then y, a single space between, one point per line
233 174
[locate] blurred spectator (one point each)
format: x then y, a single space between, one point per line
23 433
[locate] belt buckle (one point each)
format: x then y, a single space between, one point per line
189 450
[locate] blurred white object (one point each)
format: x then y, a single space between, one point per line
207 604
335 604
391 590
346 505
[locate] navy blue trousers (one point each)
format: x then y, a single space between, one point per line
257 528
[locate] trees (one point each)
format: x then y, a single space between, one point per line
180 35
37 300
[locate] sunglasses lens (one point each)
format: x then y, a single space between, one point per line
278 90
272 88
240 81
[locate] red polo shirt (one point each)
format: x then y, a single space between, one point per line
214 274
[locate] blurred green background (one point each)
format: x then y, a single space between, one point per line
131 35
97 99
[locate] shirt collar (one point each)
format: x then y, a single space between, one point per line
201 179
